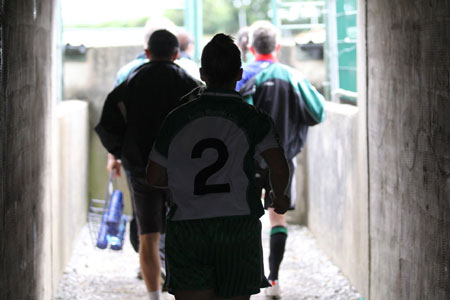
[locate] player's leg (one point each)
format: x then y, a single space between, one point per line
150 215
277 239
134 234
150 261
278 236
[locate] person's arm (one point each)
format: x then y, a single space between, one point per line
112 125
113 164
279 178
156 174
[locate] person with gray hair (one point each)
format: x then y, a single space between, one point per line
294 105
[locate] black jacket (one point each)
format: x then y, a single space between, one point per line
290 99
134 111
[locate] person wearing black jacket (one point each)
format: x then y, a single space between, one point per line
294 105
131 117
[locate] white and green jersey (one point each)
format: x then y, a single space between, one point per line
208 147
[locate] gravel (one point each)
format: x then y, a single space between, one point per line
306 272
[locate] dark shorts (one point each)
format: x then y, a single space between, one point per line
262 180
149 205
221 254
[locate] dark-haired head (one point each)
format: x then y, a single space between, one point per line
221 62
162 45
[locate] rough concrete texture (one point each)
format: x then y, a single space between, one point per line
70 163
25 108
360 158
336 216
409 148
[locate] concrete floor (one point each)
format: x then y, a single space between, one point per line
306 272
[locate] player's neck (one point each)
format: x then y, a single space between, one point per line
231 85
228 86
266 57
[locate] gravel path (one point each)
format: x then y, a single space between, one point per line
306 273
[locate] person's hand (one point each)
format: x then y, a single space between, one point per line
113 165
280 204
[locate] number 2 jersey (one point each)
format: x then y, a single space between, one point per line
209 146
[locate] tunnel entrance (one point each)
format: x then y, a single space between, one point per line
377 172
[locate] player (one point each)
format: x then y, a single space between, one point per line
131 117
294 105
205 153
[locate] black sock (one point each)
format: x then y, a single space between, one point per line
278 236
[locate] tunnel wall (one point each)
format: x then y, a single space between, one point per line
408 94
402 156
337 213
68 181
43 152
25 108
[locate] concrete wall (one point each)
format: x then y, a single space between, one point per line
69 180
380 207
408 94
25 107
335 214
43 153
